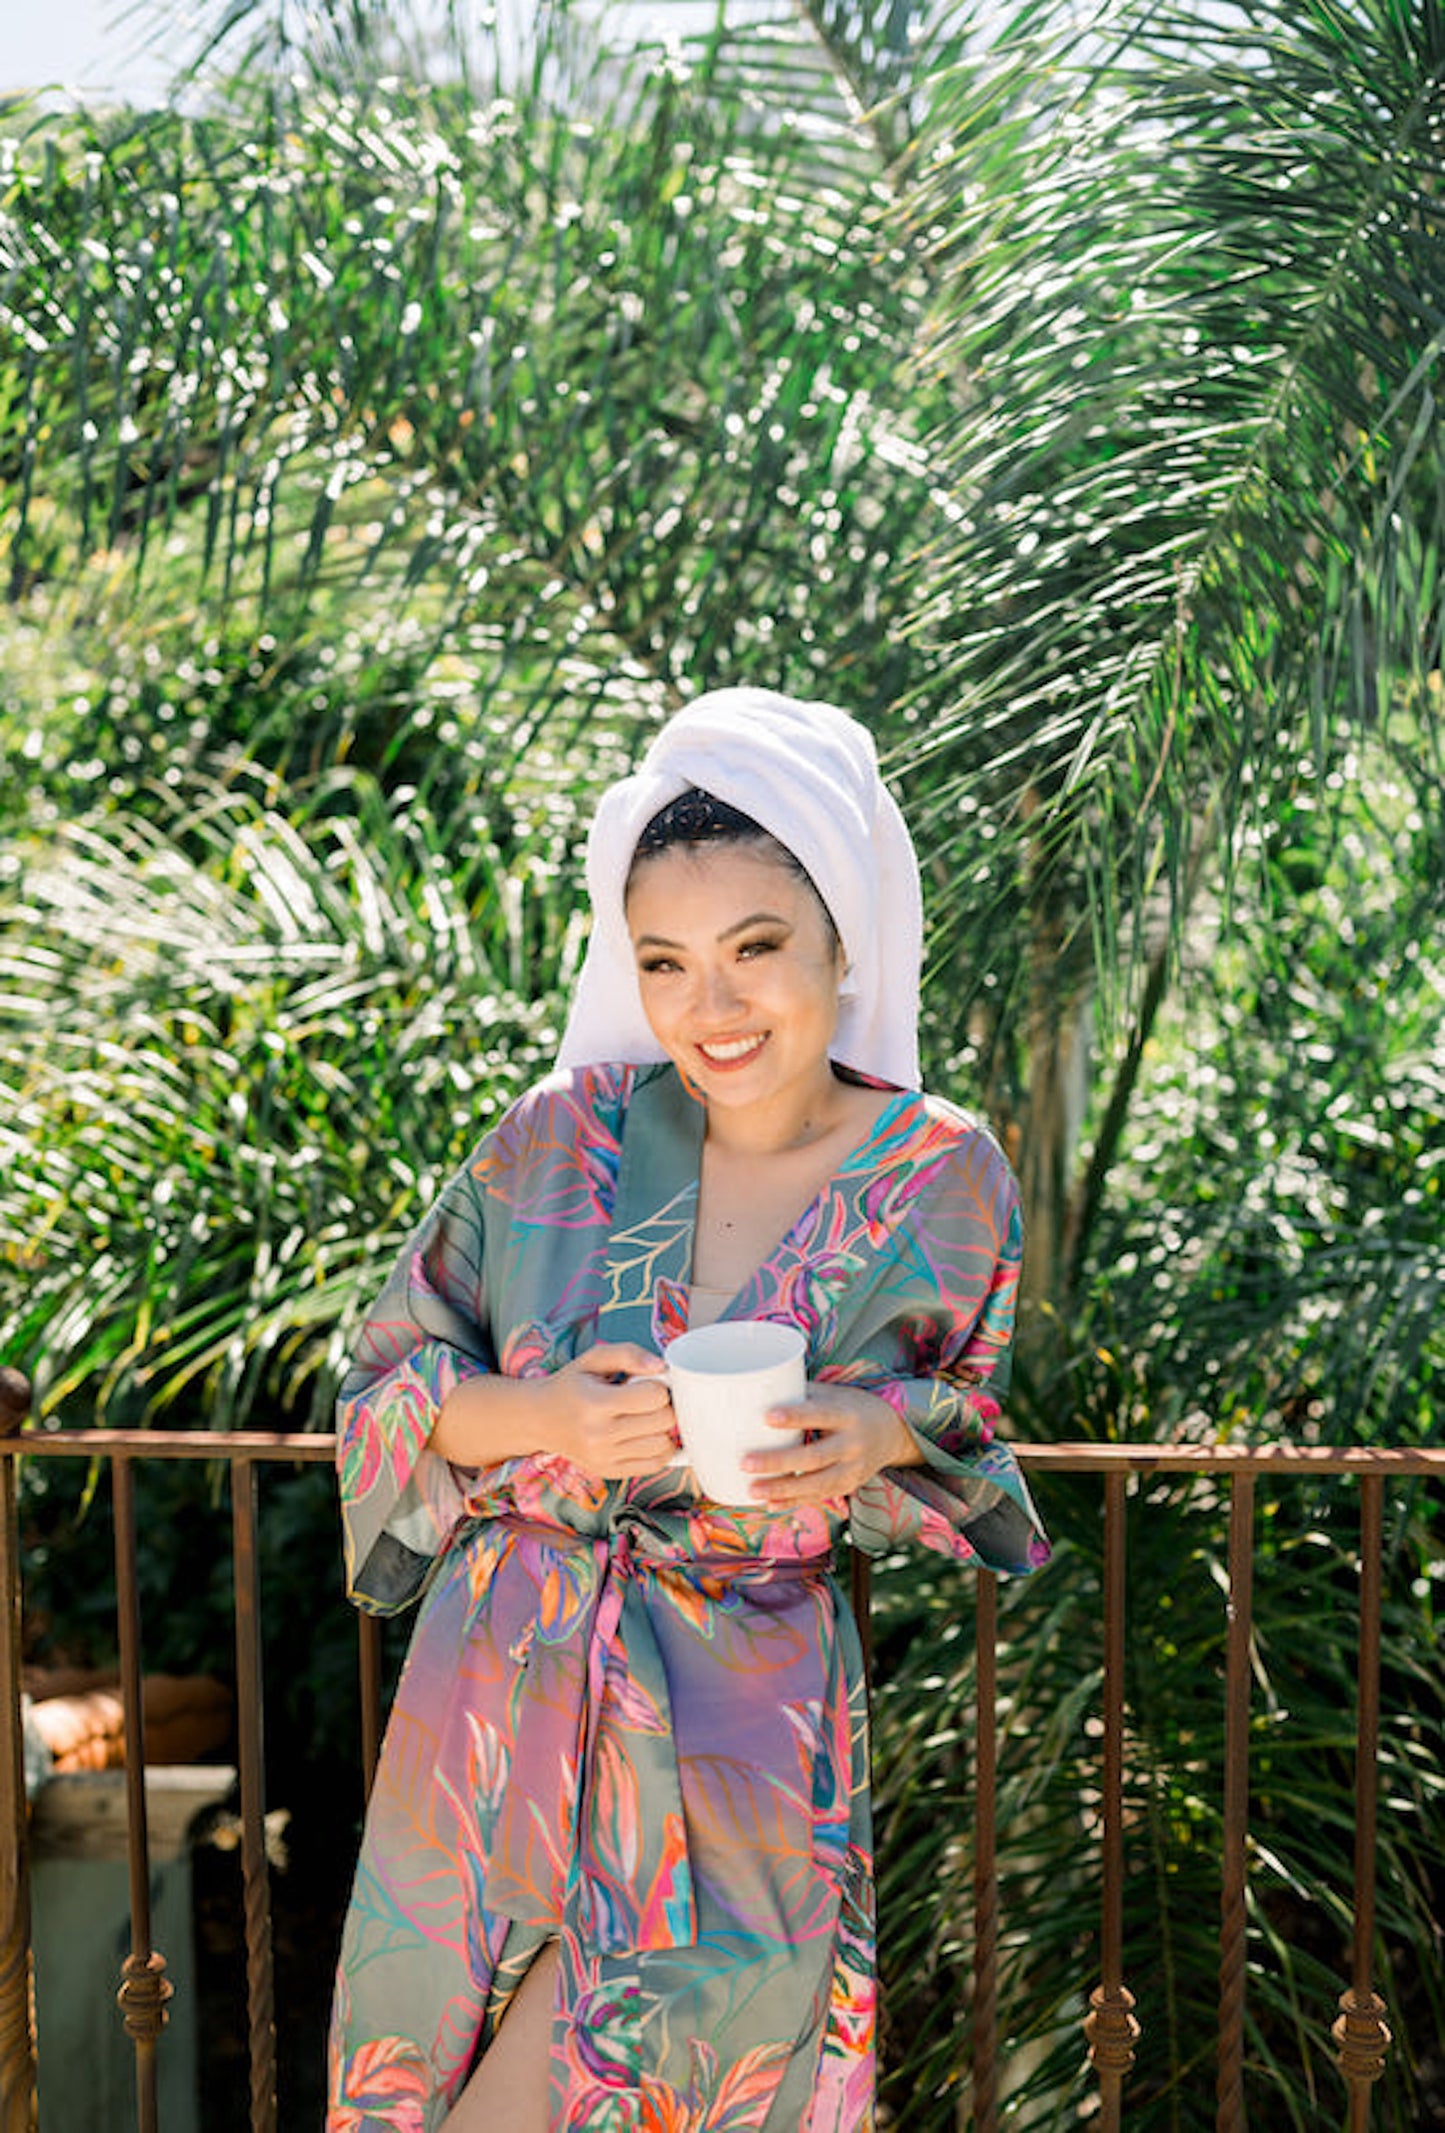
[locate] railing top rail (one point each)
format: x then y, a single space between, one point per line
312 1447
318 1447
1234 1458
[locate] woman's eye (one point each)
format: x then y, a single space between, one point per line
757 948
652 963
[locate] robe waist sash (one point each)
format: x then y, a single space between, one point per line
593 1702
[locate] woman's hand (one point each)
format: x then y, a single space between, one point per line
609 1413
851 1436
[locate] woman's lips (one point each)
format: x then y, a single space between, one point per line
725 1054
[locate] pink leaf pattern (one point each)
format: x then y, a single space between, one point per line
379 2086
718 2099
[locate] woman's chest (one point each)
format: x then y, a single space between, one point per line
744 1210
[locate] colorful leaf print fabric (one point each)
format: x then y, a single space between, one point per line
631 1720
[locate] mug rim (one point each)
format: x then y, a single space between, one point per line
794 1345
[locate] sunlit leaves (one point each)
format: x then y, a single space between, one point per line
491 350
1277 1246
1198 341
243 1050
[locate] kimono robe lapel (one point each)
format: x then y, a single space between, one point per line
654 1220
621 1687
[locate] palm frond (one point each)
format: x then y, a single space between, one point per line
1182 433
242 1048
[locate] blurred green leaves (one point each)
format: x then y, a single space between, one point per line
281 1030
1273 1253
483 359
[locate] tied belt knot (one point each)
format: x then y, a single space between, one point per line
604 1718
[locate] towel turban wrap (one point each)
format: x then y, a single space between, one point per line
808 774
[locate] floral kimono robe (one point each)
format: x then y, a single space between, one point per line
632 1720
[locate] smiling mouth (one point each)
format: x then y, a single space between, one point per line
733 1051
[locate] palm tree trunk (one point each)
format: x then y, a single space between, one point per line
1057 1028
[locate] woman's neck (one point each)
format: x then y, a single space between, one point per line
801 1120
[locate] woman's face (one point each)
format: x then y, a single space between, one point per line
738 969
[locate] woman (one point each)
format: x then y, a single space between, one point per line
617 1868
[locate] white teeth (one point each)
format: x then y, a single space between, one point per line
735 1048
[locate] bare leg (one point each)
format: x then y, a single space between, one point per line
508 2091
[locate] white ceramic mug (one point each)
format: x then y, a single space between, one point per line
723 1379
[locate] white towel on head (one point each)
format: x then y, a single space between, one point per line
808 773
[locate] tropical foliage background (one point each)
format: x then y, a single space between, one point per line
397 427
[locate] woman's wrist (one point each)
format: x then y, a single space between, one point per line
902 1447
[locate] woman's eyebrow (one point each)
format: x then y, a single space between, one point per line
754 918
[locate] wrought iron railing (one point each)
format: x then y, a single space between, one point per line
1361 2031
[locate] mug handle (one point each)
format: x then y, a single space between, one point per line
679 1457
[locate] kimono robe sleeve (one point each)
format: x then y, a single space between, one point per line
505 1273
950 1295
428 1329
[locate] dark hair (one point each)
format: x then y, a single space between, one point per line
696 817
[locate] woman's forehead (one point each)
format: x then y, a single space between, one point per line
716 879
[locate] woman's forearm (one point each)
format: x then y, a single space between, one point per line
486 1419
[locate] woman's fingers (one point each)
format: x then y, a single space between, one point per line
620 1378
845 1445
639 1469
619 1359
818 1448
618 1394
638 1396
798 1473
623 1422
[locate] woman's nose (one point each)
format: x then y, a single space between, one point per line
717 992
